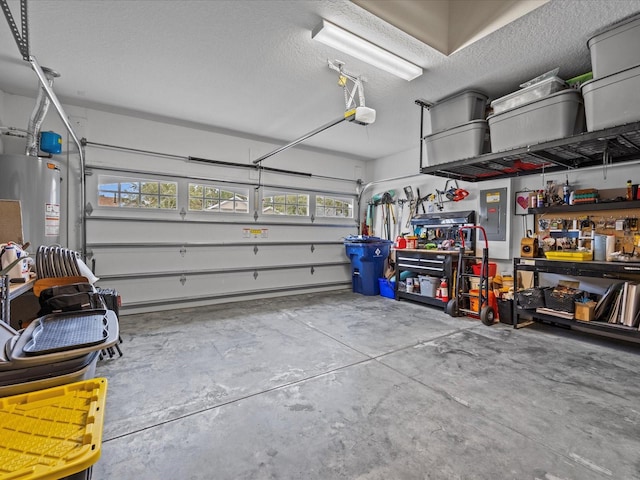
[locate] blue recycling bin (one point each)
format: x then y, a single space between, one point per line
367 255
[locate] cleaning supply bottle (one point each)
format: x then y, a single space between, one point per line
566 192
629 190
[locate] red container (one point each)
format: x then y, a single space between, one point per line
412 242
477 269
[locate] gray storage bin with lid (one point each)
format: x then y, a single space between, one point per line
558 115
612 100
457 109
616 48
22 371
464 141
429 285
529 94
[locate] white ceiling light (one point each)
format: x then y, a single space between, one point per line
357 47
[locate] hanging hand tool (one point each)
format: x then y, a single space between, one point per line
420 202
400 211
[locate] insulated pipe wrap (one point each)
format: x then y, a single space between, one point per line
38 114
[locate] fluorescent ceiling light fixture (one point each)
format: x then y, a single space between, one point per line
335 37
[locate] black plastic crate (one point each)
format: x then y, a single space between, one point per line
562 299
531 298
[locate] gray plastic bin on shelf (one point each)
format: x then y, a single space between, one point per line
529 94
612 100
429 286
456 143
559 115
616 49
457 109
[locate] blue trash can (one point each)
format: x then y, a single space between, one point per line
367 255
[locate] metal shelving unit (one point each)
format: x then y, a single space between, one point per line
616 271
602 147
587 207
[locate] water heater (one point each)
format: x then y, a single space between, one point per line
35 182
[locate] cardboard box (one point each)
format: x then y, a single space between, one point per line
11 222
585 311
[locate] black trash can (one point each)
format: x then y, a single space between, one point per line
505 311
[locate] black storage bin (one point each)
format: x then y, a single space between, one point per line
111 299
505 311
562 299
531 298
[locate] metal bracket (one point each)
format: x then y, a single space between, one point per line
183 279
313 248
255 249
255 215
88 209
255 275
183 250
21 40
313 270
343 81
183 213
313 218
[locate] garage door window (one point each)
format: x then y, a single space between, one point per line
285 203
137 193
212 198
333 207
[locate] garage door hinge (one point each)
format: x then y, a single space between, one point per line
88 210
313 248
255 215
313 270
183 250
255 275
183 279
255 249
313 218
183 213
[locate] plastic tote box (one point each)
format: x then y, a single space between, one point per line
558 115
529 94
612 100
367 255
457 109
616 49
429 286
464 141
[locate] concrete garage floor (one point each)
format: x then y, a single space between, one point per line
339 385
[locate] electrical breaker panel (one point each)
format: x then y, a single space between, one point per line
493 213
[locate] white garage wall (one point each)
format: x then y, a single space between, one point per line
158 258
407 164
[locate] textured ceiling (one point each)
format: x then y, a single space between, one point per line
252 67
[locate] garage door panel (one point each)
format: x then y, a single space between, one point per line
167 288
114 231
128 260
